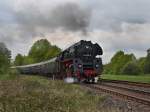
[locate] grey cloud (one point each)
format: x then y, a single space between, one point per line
20 26
109 15
68 16
71 17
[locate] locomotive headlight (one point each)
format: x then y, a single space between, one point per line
97 66
79 65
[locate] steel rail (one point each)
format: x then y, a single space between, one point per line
129 89
125 94
147 85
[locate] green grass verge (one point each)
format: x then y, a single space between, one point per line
137 78
7 76
38 94
10 74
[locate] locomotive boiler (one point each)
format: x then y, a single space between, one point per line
81 62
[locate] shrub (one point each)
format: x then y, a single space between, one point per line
5 56
118 61
141 63
147 64
19 60
131 68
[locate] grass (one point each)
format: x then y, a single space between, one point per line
7 76
38 94
11 74
137 78
20 93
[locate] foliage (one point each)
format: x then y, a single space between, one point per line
19 60
27 60
131 68
147 64
132 78
107 69
5 57
118 61
11 74
52 52
40 51
141 63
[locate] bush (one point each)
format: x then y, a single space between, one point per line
13 73
42 50
5 56
10 74
19 60
147 64
131 68
141 63
118 61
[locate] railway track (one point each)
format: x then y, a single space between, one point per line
125 90
129 88
142 88
139 84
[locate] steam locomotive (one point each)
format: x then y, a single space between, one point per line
81 62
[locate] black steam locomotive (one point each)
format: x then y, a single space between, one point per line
81 61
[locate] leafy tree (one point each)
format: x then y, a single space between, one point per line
131 68
5 57
147 63
141 63
118 61
27 60
42 50
19 60
107 69
53 51
38 50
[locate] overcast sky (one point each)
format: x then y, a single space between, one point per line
113 24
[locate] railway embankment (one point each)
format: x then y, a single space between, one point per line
40 94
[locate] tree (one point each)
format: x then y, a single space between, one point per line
42 50
19 60
118 61
5 57
131 68
141 63
28 60
53 51
38 50
147 63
